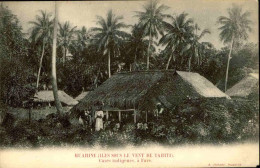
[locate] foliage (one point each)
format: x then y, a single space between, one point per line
244 61
195 121
212 121
13 53
233 29
137 48
66 34
109 36
88 67
176 38
236 24
152 22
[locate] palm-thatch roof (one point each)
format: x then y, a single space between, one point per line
81 96
203 86
248 85
143 89
47 96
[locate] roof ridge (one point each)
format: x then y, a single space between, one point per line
145 71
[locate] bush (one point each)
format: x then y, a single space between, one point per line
212 121
112 138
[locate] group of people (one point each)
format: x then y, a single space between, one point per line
95 119
92 119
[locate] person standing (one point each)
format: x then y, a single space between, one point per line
99 119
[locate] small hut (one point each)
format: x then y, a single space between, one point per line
46 97
139 93
245 87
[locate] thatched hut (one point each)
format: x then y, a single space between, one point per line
245 87
140 92
46 96
81 96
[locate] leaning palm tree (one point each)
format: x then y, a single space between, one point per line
151 21
176 36
108 37
53 63
66 34
233 28
41 34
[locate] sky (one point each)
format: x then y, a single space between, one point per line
83 13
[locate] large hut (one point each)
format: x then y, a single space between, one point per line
247 86
139 93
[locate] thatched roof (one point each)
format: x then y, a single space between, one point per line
47 96
81 96
129 90
203 86
245 87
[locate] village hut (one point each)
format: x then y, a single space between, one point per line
81 96
245 87
139 93
46 96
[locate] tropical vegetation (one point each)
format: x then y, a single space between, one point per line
62 56
86 57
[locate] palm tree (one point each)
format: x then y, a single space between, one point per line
82 40
53 63
108 37
202 51
233 28
151 21
194 43
83 37
41 34
137 44
66 33
177 34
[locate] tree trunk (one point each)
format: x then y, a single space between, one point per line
189 63
108 64
148 50
135 55
40 66
64 55
229 57
132 66
168 63
197 55
53 67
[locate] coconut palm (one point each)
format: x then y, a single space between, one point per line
176 37
83 37
66 33
80 42
151 21
137 44
109 36
41 34
202 51
233 28
194 44
53 63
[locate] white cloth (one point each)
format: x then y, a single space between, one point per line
81 121
99 121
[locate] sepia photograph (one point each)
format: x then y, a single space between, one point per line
138 83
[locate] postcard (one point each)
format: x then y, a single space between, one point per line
153 83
